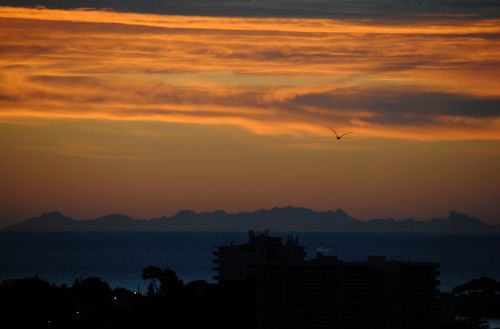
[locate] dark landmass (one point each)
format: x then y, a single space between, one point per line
477 298
287 219
91 303
169 302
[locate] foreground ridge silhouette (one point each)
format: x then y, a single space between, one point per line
281 291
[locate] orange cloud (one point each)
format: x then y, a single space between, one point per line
270 76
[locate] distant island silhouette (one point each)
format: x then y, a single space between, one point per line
276 219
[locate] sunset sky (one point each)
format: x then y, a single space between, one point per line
227 107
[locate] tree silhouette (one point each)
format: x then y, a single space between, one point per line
169 281
152 273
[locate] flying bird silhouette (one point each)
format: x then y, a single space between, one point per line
340 136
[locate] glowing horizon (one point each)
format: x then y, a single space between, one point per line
124 111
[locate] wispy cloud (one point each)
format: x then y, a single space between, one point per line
270 76
392 9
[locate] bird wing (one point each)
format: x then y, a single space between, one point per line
334 132
346 134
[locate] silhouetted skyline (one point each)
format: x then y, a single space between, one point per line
136 137
264 283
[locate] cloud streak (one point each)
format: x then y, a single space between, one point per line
388 9
270 76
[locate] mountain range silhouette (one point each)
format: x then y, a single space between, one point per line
283 219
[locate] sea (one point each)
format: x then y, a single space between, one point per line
119 257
